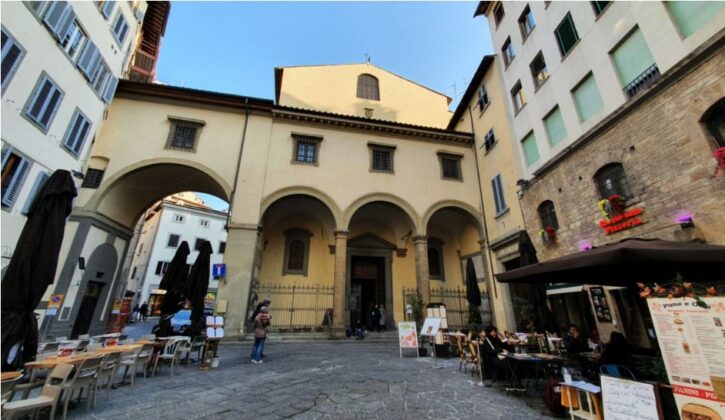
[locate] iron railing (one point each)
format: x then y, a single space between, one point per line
456 305
643 81
298 308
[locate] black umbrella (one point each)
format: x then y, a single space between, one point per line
543 318
173 282
626 263
473 293
196 288
32 268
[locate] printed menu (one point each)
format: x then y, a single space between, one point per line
692 342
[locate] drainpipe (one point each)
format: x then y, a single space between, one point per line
483 208
239 162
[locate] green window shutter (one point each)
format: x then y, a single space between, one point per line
531 152
555 129
587 99
689 16
632 57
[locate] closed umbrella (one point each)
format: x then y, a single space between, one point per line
173 282
543 318
196 287
32 268
473 294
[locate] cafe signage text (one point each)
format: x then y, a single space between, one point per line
626 220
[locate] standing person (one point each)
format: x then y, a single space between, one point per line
134 313
144 310
382 318
261 322
376 317
266 303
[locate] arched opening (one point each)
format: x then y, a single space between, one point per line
714 121
611 180
368 87
547 215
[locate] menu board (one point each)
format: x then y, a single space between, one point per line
692 342
601 306
623 399
430 327
407 336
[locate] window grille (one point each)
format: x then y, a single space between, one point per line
450 167
183 134
612 180
382 158
93 178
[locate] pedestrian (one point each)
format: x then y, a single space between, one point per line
376 317
134 313
382 318
265 302
261 322
144 310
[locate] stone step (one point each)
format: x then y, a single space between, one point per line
385 337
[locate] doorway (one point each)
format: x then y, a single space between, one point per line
87 308
367 287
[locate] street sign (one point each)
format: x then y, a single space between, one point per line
219 270
54 304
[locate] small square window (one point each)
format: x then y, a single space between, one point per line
518 97
184 134
450 166
538 70
93 178
599 7
508 52
204 223
222 247
483 99
178 218
498 13
173 240
381 158
489 140
306 149
526 22
566 35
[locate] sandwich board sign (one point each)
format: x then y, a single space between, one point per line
408 337
430 327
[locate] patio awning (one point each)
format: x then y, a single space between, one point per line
628 262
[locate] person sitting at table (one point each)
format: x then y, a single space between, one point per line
492 346
574 342
616 351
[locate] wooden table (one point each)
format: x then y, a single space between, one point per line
123 348
53 361
6 376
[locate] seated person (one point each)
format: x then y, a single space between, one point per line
616 351
491 347
360 331
574 342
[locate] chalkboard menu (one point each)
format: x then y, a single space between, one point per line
601 306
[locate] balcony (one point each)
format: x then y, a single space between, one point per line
643 81
142 67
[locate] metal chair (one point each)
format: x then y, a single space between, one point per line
618 371
48 396
140 358
84 377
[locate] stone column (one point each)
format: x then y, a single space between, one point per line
422 276
340 294
240 258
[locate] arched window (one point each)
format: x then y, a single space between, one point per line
714 120
611 180
436 270
297 251
367 87
547 215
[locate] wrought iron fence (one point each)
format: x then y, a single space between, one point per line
456 305
643 81
298 308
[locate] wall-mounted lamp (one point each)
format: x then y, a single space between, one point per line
685 221
522 183
585 245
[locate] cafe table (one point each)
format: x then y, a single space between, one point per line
7 376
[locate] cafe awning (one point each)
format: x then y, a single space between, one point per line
628 262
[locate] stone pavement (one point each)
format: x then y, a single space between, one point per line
325 380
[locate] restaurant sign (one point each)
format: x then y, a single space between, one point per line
623 221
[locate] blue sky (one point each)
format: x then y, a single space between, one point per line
233 47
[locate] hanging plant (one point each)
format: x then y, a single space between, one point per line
616 204
719 155
605 209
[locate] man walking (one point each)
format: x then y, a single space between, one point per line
144 310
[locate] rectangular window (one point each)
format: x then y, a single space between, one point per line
305 149
133 273
526 22
37 7
93 178
173 240
178 218
106 8
498 13
554 125
498 197
89 60
599 7
517 96
566 35
489 140
15 170
222 247
58 17
204 223
44 102
12 55
586 98
531 151
538 70
37 185
100 77
507 51
198 243
450 166
183 134
635 66
120 28
72 41
77 133
689 16
381 158
161 267
483 99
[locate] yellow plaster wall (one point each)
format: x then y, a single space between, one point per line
334 89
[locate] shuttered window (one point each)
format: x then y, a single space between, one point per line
12 55
483 99
100 77
44 102
498 197
89 59
554 124
77 133
489 140
37 186
689 16
367 87
72 41
58 18
107 8
632 58
531 151
15 170
110 89
120 28
586 98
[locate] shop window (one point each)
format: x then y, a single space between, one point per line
612 180
714 121
547 215
507 51
436 270
586 98
526 22
566 35
368 87
297 251
539 71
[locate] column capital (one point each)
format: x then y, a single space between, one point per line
341 233
420 238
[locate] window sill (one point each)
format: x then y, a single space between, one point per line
37 125
507 63
381 171
70 152
181 149
501 213
451 179
297 162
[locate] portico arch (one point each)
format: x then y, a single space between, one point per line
396 201
304 191
473 215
